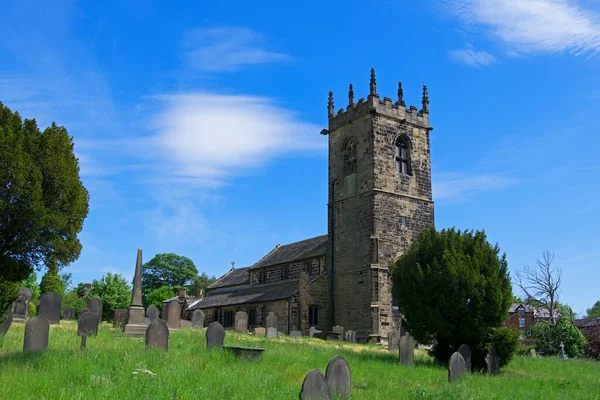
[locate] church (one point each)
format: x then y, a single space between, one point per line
379 201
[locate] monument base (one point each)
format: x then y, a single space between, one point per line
136 322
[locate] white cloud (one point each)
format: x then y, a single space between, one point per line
530 26
453 187
472 58
228 49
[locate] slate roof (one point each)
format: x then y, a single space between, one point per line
587 322
253 294
239 276
304 249
514 306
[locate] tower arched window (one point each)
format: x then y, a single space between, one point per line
403 156
350 152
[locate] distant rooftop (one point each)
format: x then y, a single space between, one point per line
301 250
235 277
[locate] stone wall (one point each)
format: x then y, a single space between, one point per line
288 271
319 299
281 308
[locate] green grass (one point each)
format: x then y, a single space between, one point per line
105 371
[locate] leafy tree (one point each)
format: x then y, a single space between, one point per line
168 270
42 201
517 299
201 282
157 296
113 291
51 282
453 287
594 312
548 338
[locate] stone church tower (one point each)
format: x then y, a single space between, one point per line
379 201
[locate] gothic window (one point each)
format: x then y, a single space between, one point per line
403 156
350 151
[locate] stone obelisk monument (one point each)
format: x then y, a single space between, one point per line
136 323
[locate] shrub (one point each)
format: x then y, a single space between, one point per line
9 291
157 296
548 338
72 300
32 309
51 283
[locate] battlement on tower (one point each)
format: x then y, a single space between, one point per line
374 105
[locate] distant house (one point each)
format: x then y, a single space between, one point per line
590 327
521 317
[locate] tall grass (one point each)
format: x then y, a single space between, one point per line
107 370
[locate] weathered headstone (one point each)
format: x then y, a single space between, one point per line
174 316
339 378
215 335
198 319
6 321
157 335
456 367
87 325
259 331
271 320
20 308
312 331
296 333
241 322
184 323
50 307
492 361
465 351
315 387
119 318
84 315
152 312
36 335
338 330
532 353
95 306
271 333
350 336
394 340
69 314
407 350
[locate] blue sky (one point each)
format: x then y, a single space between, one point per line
197 125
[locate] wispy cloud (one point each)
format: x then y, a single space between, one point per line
459 187
226 49
472 58
529 26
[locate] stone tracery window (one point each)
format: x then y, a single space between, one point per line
350 153
403 156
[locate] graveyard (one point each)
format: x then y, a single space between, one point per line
115 365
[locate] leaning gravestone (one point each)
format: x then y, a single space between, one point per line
20 308
315 387
271 333
157 335
271 320
493 362
119 318
198 319
50 307
5 324
174 315
456 367
466 353
37 330
87 325
85 314
95 306
152 312
69 314
407 350
241 322
215 335
394 339
339 378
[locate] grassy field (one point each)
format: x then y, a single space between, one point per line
106 370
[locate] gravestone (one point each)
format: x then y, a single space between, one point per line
184 323
136 321
296 333
95 307
157 335
260 331
20 308
119 318
407 350
492 361
215 335
152 312
338 330
394 340
271 333
465 351
339 378
315 387
350 336
87 325
198 319
85 313
271 320
532 353
241 322
69 314
312 331
174 315
7 320
456 367
37 330
50 308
